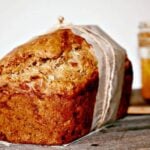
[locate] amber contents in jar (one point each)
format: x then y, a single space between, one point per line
144 48
145 63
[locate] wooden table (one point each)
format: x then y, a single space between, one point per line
132 132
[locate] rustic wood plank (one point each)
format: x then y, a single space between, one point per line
139 110
132 132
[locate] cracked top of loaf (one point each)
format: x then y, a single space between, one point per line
59 62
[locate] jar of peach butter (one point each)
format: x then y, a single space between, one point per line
144 48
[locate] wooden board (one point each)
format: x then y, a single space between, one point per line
139 109
132 132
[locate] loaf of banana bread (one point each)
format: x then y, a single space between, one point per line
49 88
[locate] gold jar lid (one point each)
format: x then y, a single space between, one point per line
144 26
144 34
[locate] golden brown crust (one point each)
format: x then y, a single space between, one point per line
56 62
48 90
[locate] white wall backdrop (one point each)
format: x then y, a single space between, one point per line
20 20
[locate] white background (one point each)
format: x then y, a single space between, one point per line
21 20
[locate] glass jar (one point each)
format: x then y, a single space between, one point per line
144 48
